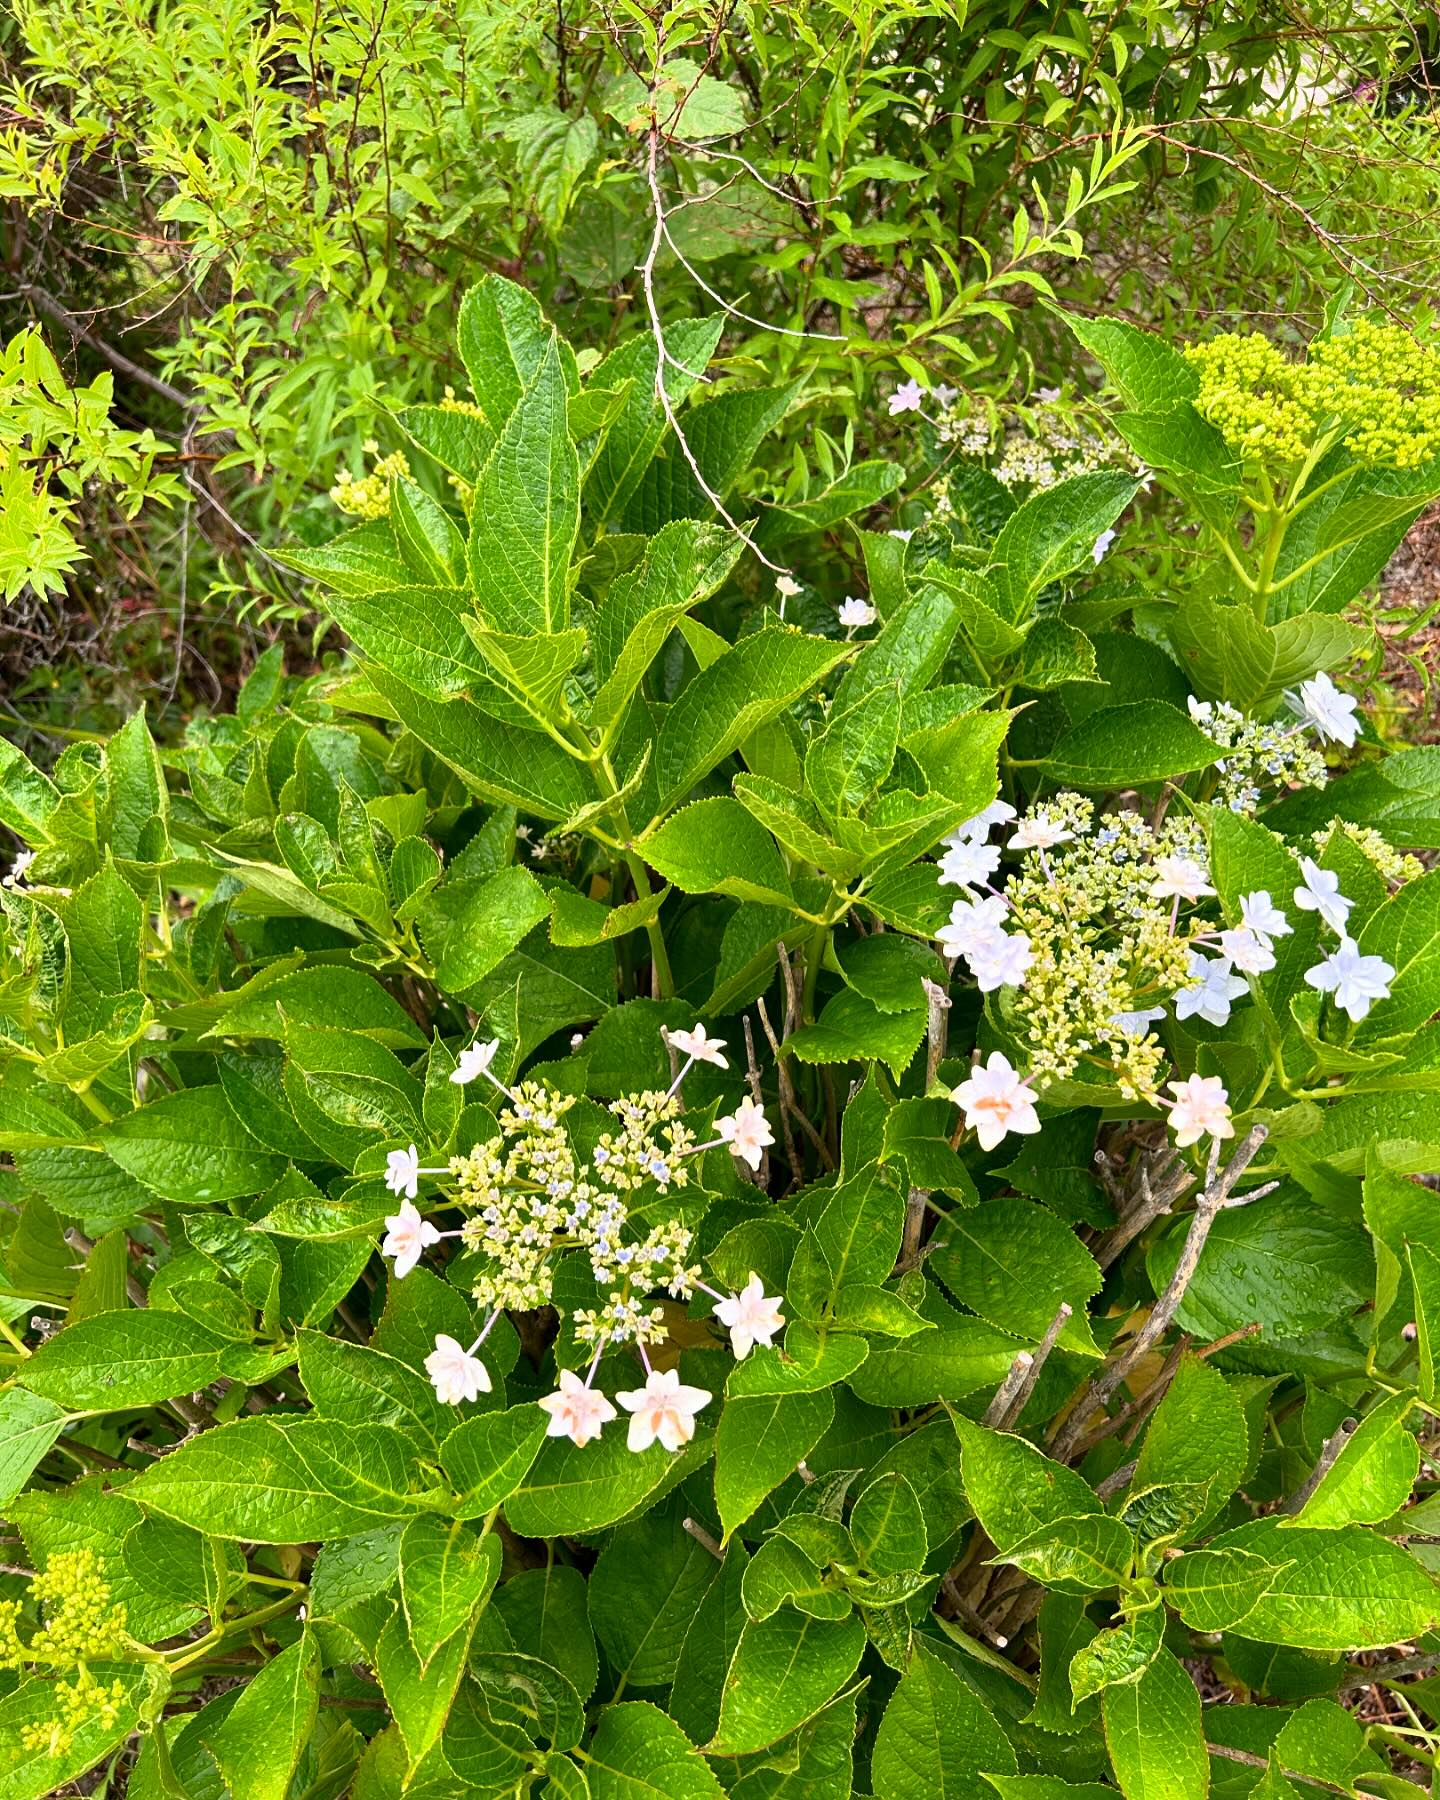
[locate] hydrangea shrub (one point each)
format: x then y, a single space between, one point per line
671 1180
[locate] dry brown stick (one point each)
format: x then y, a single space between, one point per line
914 1225
1159 1185
752 1076
1251 1761
1403 1665
792 1153
937 1005
702 1536
999 1408
1037 1362
1138 1409
1333 1445
1218 1185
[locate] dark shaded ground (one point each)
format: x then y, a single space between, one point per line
1411 589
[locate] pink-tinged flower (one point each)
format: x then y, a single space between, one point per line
1179 878
1327 710
455 1373
402 1172
1001 964
699 1046
1356 981
1248 950
663 1410
406 1238
474 1059
747 1132
997 1101
751 1317
1201 1108
974 925
1260 914
577 1411
1319 892
970 864
854 613
908 397
1039 832
998 812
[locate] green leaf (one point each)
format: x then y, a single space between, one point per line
783 1671
420 1698
469 928
359 1384
888 1526
487 1458
139 799
428 538
1125 746
636 435
190 1148
291 1483
1052 533
533 666
848 760
125 1359
907 652
850 1029
570 1490
1016 1491
1345 1589
1013 1262
1118 1655
1142 368
958 1359
1196 1434
808 1364
525 516
446 1575
344 999
31 1773
639 1754
1154 1734
715 847
722 705
29 1425
645 1588
758 1444
503 339
1373 1475
937 1737
1082 1555
545 1609
258 1743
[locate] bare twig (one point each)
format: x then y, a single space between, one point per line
1334 1444
702 1536
782 1080
1218 1185
914 1225
1038 1359
999 1408
937 1006
752 1077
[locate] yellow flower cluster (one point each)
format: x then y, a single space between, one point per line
81 1624
1103 946
1374 383
369 496
1390 864
532 1196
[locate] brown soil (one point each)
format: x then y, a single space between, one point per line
1410 587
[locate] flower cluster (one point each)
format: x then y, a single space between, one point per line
368 496
1258 755
1374 383
531 1194
81 1625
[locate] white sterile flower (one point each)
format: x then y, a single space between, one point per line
577 1410
1319 892
455 1373
751 1317
1327 710
997 1101
406 1236
1179 878
1102 544
908 397
699 1047
1001 964
895 531
973 925
998 812
1201 711
970 864
663 1410
787 587
1249 951
1260 914
16 875
944 395
402 1172
1356 981
1215 988
747 1132
474 1059
854 612
1039 832
1201 1108
1136 1024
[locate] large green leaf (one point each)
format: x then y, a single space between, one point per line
937 1738
1125 746
1153 1730
785 1668
190 1148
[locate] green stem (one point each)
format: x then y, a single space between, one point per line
664 980
814 956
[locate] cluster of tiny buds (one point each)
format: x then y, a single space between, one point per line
82 1624
531 1196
